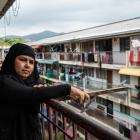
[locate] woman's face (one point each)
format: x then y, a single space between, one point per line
24 66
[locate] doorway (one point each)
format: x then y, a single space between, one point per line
109 78
110 108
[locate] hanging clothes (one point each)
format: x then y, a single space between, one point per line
99 61
95 57
131 57
83 57
90 57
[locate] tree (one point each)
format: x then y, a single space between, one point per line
11 41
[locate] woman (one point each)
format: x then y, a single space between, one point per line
21 96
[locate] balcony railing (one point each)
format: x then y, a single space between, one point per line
99 108
65 122
106 57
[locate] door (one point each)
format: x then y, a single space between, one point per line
109 78
110 108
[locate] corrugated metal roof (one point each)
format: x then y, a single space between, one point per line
116 28
4 6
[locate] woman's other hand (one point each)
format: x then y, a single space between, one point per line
79 94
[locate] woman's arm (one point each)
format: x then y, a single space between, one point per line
12 91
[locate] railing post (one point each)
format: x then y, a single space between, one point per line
127 59
43 123
74 131
43 55
50 126
86 135
64 126
56 122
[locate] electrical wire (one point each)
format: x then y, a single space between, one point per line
16 7
7 17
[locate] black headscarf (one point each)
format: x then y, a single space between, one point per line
8 64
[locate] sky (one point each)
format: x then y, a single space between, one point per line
35 16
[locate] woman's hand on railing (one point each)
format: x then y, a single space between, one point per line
56 83
40 85
78 94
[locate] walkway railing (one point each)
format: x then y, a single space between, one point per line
65 122
105 57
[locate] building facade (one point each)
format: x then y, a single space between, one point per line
99 58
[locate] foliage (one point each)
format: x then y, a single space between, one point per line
11 41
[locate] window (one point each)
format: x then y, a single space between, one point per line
85 71
101 74
87 46
90 72
134 128
124 44
125 79
103 45
124 109
101 101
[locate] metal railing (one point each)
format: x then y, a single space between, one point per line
103 115
65 122
105 57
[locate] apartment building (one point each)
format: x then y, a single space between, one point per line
99 58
